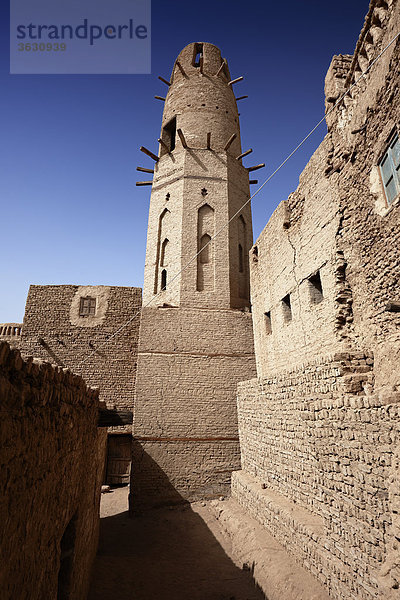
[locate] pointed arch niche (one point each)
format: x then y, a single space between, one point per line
242 259
163 252
205 246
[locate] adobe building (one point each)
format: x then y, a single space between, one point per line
195 340
73 327
319 427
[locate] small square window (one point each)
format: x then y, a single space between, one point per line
315 288
87 307
169 136
389 167
287 308
268 324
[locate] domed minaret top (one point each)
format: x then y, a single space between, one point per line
203 100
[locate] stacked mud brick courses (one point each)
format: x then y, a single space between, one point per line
11 333
320 439
51 468
195 339
54 330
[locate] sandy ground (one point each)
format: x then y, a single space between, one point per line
188 553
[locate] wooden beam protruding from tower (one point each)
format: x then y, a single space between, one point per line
393 307
159 98
182 70
182 137
164 80
164 145
144 170
229 142
220 68
144 183
209 140
244 154
251 181
149 153
256 167
235 80
241 98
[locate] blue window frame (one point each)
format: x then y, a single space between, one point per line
390 169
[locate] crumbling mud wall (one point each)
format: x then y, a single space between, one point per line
51 469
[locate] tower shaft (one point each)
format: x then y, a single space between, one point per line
195 339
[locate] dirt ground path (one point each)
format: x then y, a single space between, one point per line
193 552
166 554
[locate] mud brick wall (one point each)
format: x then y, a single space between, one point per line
319 443
185 424
298 242
338 222
319 470
51 468
54 331
369 235
11 333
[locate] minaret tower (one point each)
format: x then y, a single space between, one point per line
196 339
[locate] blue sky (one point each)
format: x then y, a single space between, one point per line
70 211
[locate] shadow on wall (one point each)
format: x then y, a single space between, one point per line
148 482
167 553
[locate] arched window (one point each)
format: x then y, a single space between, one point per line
204 256
163 279
162 246
206 248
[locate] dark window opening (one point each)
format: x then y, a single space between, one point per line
205 247
315 287
87 307
267 321
163 259
163 279
241 267
287 308
197 54
67 547
389 167
169 136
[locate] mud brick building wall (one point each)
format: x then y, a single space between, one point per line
337 224
319 442
54 331
51 469
369 234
